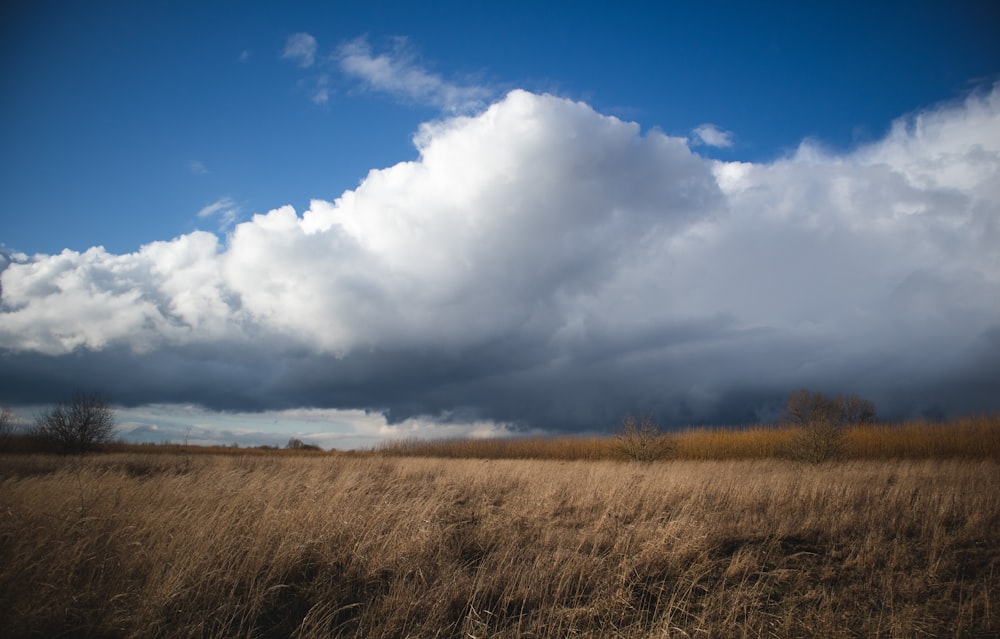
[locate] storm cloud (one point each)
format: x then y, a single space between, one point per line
546 266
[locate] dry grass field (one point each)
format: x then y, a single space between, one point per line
174 545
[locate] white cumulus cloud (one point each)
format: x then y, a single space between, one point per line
543 264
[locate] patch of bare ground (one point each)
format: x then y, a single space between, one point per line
226 546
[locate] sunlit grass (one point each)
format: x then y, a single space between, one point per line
966 438
139 545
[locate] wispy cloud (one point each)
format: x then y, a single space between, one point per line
225 209
320 92
398 73
395 72
301 49
711 135
197 167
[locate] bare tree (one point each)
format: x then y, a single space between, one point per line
79 424
640 439
854 410
805 407
822 422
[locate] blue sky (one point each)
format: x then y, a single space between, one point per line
128 124
113 109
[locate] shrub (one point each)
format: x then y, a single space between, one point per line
640 439
298 444
822 423
819 440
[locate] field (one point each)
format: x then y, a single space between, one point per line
173 544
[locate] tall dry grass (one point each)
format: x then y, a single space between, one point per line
965 438
254 546
550 448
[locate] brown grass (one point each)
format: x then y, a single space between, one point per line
133 545
964 438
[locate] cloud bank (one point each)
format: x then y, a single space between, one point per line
546 266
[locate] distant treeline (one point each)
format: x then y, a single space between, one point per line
960 438
28 442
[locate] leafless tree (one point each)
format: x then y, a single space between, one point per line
79 424
854 410
822 422
805 406
640 439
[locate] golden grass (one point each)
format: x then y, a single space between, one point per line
966 438
141 545
551 448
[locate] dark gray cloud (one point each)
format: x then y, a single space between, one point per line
544 266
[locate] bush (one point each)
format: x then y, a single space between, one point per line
298 444
79 424
640 439
818 441
822 422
